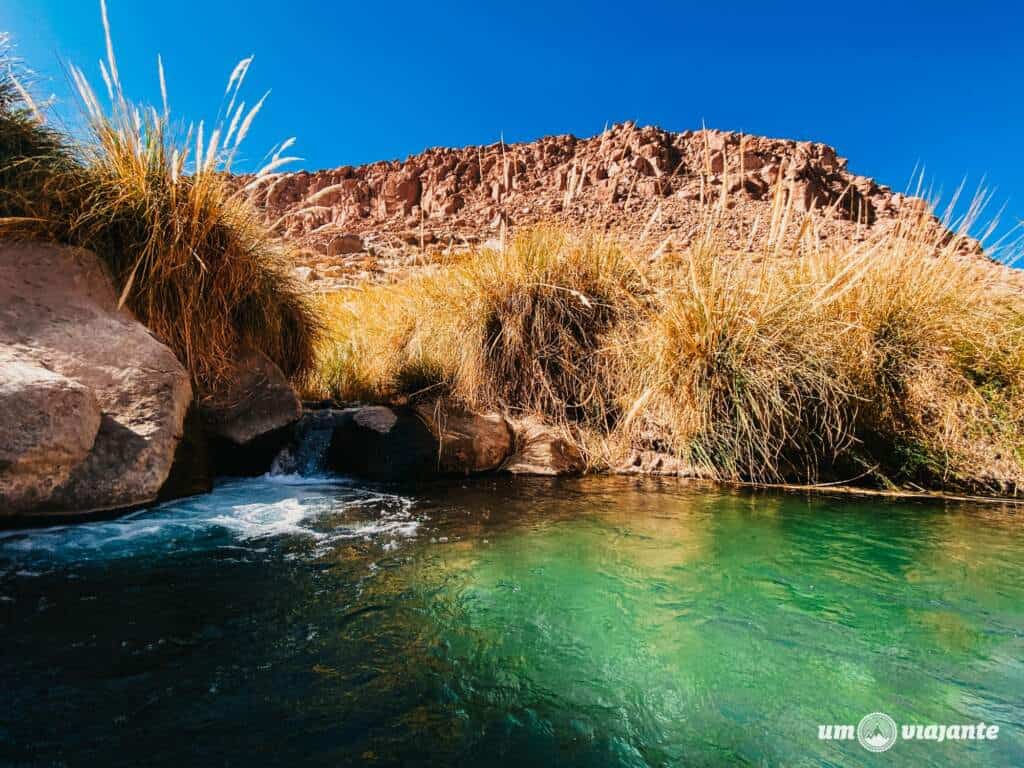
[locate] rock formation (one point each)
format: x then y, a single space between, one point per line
429 439
259 400
362 223
541 450
91 405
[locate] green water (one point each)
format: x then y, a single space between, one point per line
594 622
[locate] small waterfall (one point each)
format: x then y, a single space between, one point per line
307 452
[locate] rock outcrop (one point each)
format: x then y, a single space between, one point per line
467 442
91 404
540 449
257 400
366 222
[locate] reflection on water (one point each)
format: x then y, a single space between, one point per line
508 622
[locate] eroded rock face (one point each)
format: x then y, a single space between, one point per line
99 401
259 400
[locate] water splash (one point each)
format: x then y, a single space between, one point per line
306 456
318 509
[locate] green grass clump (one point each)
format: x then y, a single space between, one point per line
187 251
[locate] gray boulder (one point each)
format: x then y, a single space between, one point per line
259 400
540 449
92 403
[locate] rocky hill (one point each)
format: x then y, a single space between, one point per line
366 222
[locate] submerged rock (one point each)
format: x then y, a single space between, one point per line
93 404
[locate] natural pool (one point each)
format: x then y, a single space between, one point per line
587 622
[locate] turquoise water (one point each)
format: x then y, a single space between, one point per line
591 622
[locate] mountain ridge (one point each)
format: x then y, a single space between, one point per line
354 223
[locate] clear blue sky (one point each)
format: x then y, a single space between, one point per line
890 85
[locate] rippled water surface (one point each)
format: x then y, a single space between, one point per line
595 622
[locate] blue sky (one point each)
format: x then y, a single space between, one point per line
890 85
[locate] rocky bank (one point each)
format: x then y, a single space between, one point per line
96 414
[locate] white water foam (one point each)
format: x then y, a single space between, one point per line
237 513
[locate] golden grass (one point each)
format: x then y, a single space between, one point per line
891 361
522 327
188 253
890 358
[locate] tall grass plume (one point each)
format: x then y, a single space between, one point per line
188 253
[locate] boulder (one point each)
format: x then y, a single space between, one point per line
258 399
48 424
98 403
406 442
340 245
468 442
540 449
381 442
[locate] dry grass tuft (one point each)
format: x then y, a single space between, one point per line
523 327
892 361
730 370
188 252
895 359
